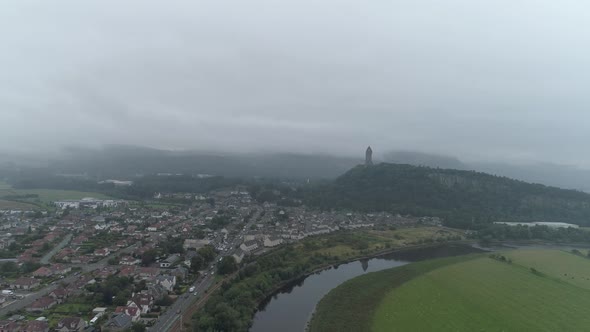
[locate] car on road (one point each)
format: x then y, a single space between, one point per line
196 293
192 289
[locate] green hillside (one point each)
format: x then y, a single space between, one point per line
463 198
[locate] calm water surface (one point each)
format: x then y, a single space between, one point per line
290 309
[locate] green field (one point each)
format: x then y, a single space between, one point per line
17 198
563 265
51 195
350 306
401 237
468 293
16 205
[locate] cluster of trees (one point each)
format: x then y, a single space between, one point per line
233 306
465 199
203 257
112 291
282 194
219 221
501 258
13 250
501 232
227 265
165 248
579 253
170 246
13 270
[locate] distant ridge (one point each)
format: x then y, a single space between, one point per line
466 199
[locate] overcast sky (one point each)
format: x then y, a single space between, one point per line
494 80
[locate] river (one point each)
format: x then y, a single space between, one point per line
289 309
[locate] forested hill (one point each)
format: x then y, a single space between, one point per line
464 198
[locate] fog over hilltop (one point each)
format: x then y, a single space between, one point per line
316 77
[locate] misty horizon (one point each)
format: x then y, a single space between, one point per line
303 77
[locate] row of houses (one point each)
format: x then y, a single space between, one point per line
67 324
89 203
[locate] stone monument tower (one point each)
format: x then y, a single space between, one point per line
369 157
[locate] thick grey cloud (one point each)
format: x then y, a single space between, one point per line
486 80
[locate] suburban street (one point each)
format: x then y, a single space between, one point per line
31 297
47 257
168 318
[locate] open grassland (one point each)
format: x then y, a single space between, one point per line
484 295
51 195
556 264
528 290
40 198
405 236
379 240
351 306
12 205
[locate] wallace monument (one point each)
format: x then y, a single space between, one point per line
369 157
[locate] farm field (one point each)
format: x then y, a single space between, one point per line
540 290
11 198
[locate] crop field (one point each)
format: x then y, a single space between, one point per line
539 290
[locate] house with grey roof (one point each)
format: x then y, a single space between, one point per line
171 260
118 322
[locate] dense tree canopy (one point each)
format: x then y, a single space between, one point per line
463 198
227 265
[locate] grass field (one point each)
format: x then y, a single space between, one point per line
405 236
16 205
484 295
42 199
51 195
376 240
564 265
350 306
466 293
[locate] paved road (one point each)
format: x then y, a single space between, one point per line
31 297
168 318
45 259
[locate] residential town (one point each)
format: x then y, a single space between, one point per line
110 265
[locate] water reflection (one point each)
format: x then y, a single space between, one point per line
365 264
290 308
